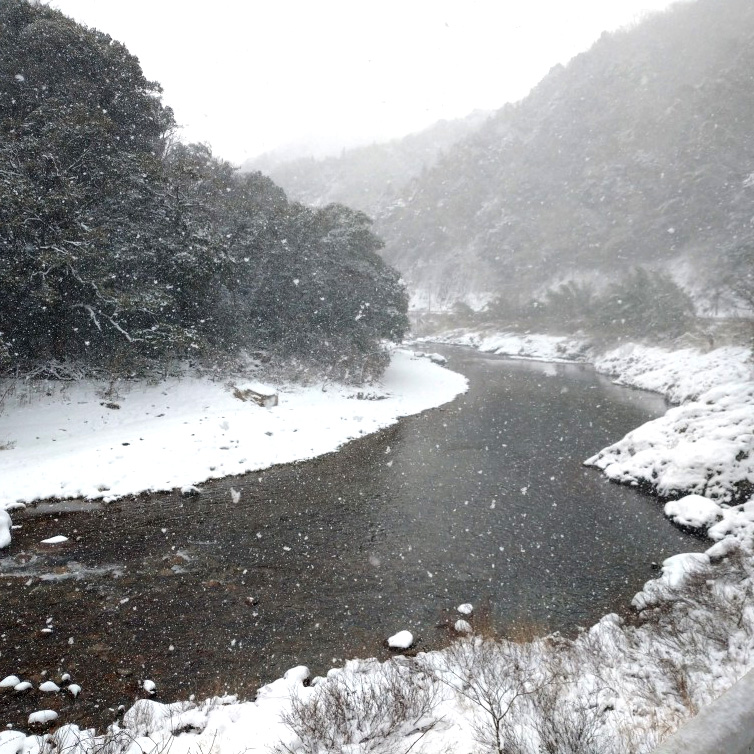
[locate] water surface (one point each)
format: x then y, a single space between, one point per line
484 500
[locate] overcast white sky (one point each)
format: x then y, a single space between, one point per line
249 76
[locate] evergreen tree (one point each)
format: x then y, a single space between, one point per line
81 137
119 248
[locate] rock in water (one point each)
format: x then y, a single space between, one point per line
401 640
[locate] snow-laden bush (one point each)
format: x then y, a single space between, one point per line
369 707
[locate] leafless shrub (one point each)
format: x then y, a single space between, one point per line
6 391
59 371
565 724
69 739
363 712
495 677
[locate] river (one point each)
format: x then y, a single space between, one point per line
484 500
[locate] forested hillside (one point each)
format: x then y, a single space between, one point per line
121 248
368 178
639 152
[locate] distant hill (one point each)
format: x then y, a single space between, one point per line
639 151
367 178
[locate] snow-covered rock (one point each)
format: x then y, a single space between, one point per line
675 571
58 539
463 627
42 717
466 608
299 674
401 640
693 512
677 568
5 527
737 524
148 717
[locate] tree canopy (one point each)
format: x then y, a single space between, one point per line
120 247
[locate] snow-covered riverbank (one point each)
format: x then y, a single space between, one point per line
521 346
618 687
92 440
703 446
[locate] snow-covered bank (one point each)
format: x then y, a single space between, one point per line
705 445
679 375
85 439
522 346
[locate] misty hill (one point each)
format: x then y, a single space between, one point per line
368 178
638 152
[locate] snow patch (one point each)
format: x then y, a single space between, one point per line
5 527
693 512
56 540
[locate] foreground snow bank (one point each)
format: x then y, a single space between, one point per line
86 439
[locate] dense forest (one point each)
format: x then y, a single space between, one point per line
122 248
635 159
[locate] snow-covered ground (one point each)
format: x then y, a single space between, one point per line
703 446
523 346
619 687
680 375
83 439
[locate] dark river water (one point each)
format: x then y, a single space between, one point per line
484 500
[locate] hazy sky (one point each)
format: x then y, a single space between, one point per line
248 76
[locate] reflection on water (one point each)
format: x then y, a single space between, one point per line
484 500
